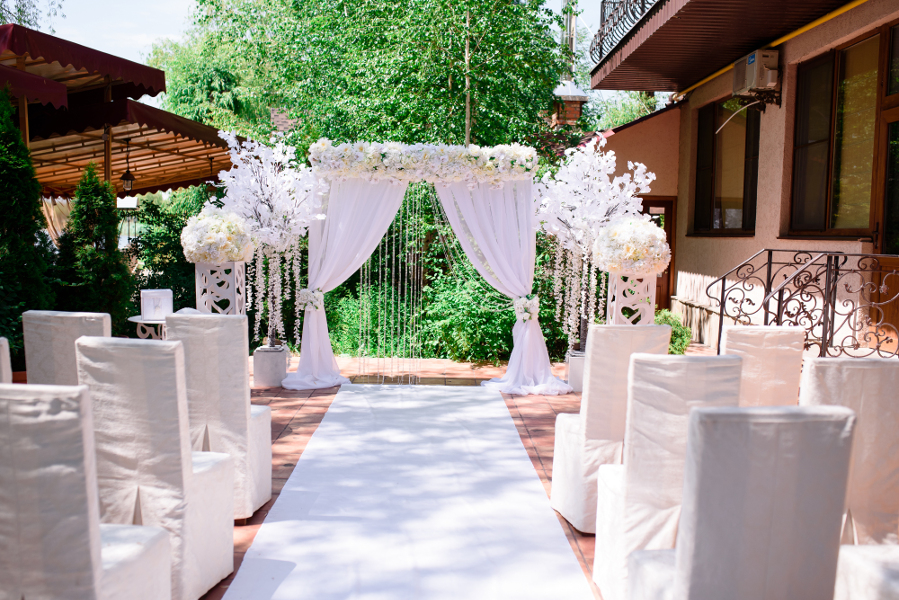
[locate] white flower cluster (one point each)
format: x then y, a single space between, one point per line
313 299
527 308
436 163
632 245
217 236
278 198
585 195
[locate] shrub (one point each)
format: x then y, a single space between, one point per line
23 246
680 335
90 268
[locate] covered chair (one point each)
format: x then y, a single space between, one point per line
52 544
868 573
218 398
869 387
146 471
50 342
5 365
639 502
772 363
763 499
595 436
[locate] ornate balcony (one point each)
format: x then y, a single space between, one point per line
618 18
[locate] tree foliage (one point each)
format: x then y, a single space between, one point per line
30 13
23 243
92 273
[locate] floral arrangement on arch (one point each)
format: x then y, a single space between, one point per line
575 205
527 307
632 245
279 198
436 163
217 236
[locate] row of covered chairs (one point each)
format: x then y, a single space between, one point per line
636 409
170 443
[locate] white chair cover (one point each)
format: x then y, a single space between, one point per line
359 213
50 343
497 228
639 502
595 436
868 573
763 499
51 542
146 472
772 363
869 387
5 366
218 398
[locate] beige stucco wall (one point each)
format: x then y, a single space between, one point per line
700 260
655 143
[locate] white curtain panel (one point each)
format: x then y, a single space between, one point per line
868 386
358 214
218 398
50 342
639 502
497 228
595 436
146 471
5 366
772 363
763 502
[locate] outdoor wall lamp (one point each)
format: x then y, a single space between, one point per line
127 177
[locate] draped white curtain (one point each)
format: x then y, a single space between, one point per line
358 214
497 229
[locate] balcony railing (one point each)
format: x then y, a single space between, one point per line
848 304
618 18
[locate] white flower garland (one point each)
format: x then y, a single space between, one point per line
217 236
527 307
436 163
632 245
313 299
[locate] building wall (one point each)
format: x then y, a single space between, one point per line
702 259
654 142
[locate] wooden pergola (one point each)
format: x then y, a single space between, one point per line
77 105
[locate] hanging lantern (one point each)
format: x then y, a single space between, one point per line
127 178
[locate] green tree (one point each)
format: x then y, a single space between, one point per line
30 13
91 269
23 248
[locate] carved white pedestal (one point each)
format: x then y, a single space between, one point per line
221 288
632 299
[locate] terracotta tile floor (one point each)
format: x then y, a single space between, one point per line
296 415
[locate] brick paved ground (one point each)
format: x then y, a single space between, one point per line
296 415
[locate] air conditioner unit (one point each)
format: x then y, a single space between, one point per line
756 72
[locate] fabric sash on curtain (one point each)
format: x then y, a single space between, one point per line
497 230
358 214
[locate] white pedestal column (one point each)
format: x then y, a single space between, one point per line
575 360
632 298
221 288
270 366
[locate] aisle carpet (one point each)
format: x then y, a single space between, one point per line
412 493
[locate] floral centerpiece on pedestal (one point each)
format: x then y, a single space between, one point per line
634 251
219 242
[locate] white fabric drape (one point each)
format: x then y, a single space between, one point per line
497 230
358 214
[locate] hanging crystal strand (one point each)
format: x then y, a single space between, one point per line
571 313
585 272
393 301
558 274
601 299
591 313
259 290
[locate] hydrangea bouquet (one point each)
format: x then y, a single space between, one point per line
217 236
632 244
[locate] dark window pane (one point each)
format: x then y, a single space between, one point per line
812 145
751 170
853 153
730 163
891 201
705 168
893 82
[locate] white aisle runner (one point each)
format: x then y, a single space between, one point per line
407 493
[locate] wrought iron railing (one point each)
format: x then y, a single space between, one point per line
848 304
618 17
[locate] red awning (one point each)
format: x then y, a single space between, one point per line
33 87
43 50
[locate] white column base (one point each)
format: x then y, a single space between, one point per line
575 361
270 366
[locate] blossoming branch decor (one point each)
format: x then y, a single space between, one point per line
632 245
435 163
216 236
279 198
527 307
